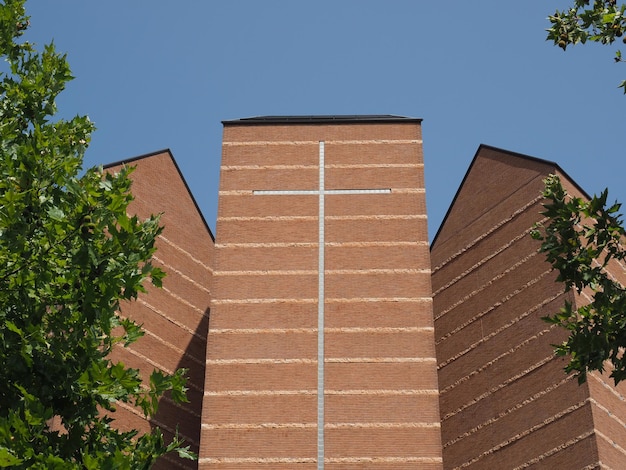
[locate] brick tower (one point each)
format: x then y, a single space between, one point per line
505 400
320 351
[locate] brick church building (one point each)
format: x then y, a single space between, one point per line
321 331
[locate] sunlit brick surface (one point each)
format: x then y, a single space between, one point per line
505 400
380 390
176 317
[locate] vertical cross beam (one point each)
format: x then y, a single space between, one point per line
321 192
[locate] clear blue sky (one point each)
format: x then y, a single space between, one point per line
161 74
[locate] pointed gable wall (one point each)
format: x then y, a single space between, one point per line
175 318
496 185
505 401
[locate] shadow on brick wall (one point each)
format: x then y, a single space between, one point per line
186 416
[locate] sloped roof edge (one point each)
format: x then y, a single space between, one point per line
556 166
128 161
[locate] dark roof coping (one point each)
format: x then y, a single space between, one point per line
555 165
322 119
131 160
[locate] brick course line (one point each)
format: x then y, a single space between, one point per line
267 167
186 253
375 165
508 411
368 244
384 329
409 392
598 465
487 284
169 345
315 244
136 411
330 460
184 301
259 426
247 331
255 143
154 364
249 192
253 460
384 460
268 272
611 442
278 218
266 218
525 433
384 425
484 260
378 360
518 212
267 245
312 167
339 300
496 359
181 274
328 360
394 392
368 425
484 339
614 418
304 272
346 329
378 217
494 389
296 143
246 393
160 424
327 300
499 303
378 271
410 191
172 320
556 450
227 362
600 378
262 301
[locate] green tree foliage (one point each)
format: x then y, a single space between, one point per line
579 240
70 256
600 21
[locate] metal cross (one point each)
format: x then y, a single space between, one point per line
321 192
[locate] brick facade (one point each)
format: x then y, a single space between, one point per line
505 401
450 368
175 318
380 384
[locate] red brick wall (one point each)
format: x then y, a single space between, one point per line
174 318
505 401
380 379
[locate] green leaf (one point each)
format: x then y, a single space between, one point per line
56 214
185 453
12 327
7 459
70 254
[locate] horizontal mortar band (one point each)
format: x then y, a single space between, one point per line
305 272
327 300
390 329
328 360
381 425
316 142
398 392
